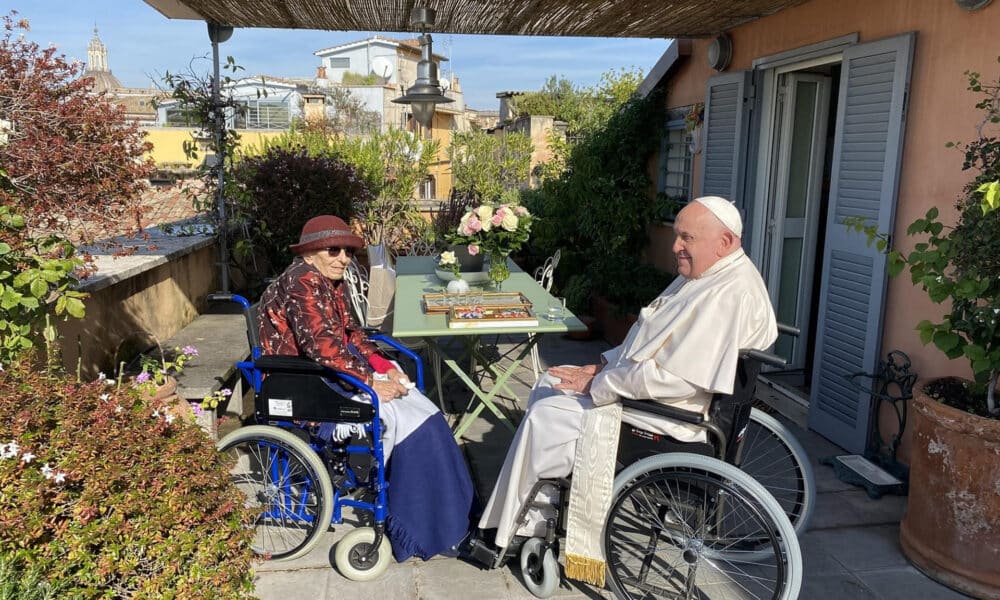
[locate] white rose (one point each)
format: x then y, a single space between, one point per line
447 258
485 213
509 222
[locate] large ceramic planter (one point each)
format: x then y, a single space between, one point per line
613 324
951 529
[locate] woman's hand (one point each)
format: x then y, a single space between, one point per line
576 379
389 390
398 376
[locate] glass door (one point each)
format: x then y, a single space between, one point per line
801 111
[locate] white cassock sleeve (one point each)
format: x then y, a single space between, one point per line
638 380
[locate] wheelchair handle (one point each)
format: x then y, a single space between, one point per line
253 336
765 357
789 330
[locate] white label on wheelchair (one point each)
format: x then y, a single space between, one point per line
279 407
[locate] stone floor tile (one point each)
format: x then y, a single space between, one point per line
843 586
302 583
862 548
906 583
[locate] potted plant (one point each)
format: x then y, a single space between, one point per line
951 529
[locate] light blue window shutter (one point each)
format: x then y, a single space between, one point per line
726 123
867 152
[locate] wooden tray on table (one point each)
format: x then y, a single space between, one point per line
474 317
438 303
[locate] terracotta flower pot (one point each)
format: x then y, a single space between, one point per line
951 529
585 334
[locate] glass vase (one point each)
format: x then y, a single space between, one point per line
499 271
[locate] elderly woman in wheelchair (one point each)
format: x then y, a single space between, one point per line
681 525
341 425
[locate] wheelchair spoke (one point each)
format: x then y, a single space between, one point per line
281 487
681 534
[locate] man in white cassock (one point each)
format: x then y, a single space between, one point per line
682 350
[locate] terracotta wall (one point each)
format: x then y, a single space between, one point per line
949 41
158 303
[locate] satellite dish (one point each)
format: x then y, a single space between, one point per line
383 67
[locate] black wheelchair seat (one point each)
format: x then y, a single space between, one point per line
728 415
296 388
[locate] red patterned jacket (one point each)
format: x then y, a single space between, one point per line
303 313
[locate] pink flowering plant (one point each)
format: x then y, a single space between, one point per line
154 371
497 231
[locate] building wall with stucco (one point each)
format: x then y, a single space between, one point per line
949 41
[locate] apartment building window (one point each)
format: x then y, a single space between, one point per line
340 62
674 179
428 189
180 117
257 114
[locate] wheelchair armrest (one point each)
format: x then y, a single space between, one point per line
664 410
276 363
399 347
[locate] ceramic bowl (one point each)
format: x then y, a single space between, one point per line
473 277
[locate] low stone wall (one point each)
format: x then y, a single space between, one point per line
136 300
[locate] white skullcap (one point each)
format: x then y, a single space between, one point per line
726 212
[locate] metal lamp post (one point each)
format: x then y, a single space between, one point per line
218 34
426 92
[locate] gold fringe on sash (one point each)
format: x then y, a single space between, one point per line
582 568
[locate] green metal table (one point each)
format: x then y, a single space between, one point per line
415 277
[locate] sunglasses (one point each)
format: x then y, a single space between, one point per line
334 251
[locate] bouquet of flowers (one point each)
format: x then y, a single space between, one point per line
495 231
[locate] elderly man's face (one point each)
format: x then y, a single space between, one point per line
330 265
700 241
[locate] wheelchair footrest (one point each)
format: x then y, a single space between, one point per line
482 553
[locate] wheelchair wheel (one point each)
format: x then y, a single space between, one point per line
281 476
693 527
774 457
539 568
351 555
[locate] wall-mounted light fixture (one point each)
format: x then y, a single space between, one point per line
973 4
426 92
720 52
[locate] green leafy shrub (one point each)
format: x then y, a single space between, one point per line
274 194
597 211
24 583
960 266
113 495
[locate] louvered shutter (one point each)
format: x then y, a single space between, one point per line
867 152
726 124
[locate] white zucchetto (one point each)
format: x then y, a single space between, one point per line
726 212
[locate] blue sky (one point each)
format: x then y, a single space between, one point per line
142 45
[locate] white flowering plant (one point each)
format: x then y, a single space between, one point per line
447 261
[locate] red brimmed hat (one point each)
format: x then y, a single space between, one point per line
325 231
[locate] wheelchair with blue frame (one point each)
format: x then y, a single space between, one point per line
299 481
687 521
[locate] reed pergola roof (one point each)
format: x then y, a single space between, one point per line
600 18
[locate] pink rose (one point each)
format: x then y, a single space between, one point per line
497 219
471 226
473 249
520 211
